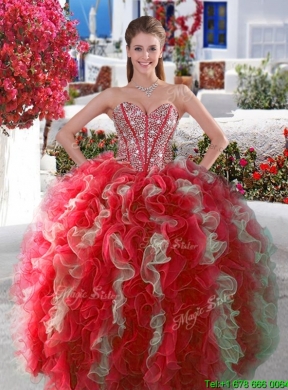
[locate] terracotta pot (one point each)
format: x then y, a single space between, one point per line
187 80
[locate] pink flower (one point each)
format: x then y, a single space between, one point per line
83 47
243 162
251 149
35 63
240 188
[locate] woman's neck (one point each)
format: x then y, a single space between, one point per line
144 80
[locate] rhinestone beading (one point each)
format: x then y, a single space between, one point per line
145 140
147 90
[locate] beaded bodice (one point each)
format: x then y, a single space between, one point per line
145 140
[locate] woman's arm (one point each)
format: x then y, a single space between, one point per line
195 108
65 136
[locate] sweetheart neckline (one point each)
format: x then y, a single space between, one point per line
144 113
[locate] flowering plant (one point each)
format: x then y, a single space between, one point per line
267 181
183 55
90 145
35 64
180 47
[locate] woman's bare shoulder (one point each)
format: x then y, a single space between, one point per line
176 91
178 95
113 94
110 92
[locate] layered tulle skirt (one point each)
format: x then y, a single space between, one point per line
155 281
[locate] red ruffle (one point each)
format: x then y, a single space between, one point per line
156 281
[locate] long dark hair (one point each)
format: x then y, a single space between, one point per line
147 25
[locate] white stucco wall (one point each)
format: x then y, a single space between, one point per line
19 175
254 27
118 10
93 64
123 13
263 27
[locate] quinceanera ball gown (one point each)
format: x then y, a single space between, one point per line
148 274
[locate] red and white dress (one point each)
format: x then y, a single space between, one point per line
148 274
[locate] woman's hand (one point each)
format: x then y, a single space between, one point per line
121 160
66 136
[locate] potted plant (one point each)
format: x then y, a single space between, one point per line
183 58
179 45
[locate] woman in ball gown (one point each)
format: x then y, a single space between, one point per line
140 271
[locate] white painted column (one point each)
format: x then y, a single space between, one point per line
19 175
126 19
117 32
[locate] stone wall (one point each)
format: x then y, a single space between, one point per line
261 129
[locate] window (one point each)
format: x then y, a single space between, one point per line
264 39
215 24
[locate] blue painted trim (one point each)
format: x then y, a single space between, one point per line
81 9
216 31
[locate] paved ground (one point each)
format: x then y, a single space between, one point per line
274 216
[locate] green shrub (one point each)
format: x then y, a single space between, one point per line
73 93
266 182
257 89
92 145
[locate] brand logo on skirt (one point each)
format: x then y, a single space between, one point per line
102 295
180 244
189 317
97 293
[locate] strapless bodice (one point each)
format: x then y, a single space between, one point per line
145 140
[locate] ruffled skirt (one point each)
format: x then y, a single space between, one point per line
155 281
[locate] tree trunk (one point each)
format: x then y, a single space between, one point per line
19 175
